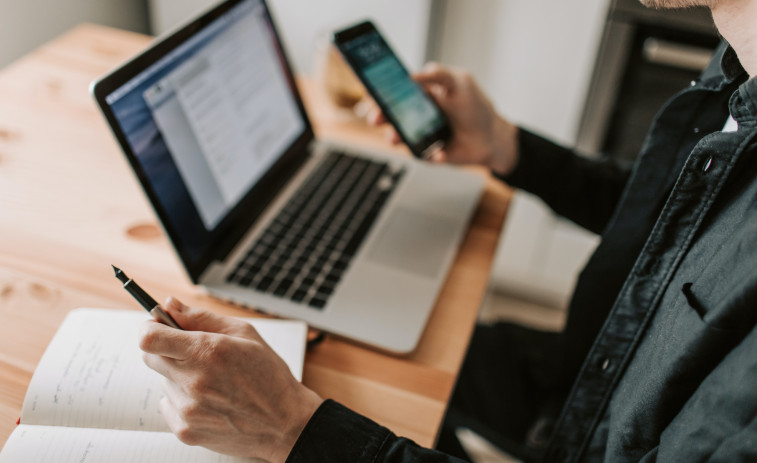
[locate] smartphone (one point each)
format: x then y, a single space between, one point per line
417 118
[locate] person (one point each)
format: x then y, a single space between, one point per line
657 360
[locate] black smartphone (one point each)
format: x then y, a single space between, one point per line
418 120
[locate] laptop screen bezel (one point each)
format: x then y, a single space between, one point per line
241 217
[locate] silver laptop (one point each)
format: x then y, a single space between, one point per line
261 213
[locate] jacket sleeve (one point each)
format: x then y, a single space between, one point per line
583 190
336 434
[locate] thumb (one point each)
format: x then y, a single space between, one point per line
193 319
434 73
440 157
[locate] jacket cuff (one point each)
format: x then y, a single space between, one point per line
337 434
537 156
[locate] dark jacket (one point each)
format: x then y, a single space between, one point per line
660 347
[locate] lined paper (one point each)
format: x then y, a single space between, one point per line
43 444
92 374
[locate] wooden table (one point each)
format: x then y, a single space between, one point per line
70 206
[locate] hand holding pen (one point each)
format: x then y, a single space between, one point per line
144 299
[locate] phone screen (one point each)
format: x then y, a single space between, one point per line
406 105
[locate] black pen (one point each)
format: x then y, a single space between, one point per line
144 299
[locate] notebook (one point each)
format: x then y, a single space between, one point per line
353 241
92 398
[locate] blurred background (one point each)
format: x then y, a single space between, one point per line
590 74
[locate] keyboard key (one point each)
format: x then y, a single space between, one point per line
280 290
317 303
333 277
302 253
265 283
325 291
299 295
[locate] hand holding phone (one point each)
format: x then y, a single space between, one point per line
417 119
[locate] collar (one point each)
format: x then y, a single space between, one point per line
730 65
725 71
743 104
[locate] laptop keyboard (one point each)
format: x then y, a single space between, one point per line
304 252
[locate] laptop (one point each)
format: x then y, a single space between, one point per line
353 241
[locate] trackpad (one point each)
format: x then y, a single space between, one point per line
413 241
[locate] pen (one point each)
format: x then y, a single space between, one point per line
144 299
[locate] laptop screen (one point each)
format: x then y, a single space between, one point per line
206 122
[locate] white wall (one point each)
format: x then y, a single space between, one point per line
533 57
27 24
304 24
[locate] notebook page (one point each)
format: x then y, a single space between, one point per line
92 373
43 444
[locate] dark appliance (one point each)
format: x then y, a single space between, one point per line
645 57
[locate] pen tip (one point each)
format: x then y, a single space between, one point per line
120 274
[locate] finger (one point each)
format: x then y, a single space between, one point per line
392 136
190 411
368 110
438 92
396 139
160 364
438 157
159 339
169 412
176 396
435 74
192 319
375 116
176 423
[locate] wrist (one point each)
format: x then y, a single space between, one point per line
309 403
504 155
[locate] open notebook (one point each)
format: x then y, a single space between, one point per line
93 400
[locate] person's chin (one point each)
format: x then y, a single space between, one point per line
676 4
